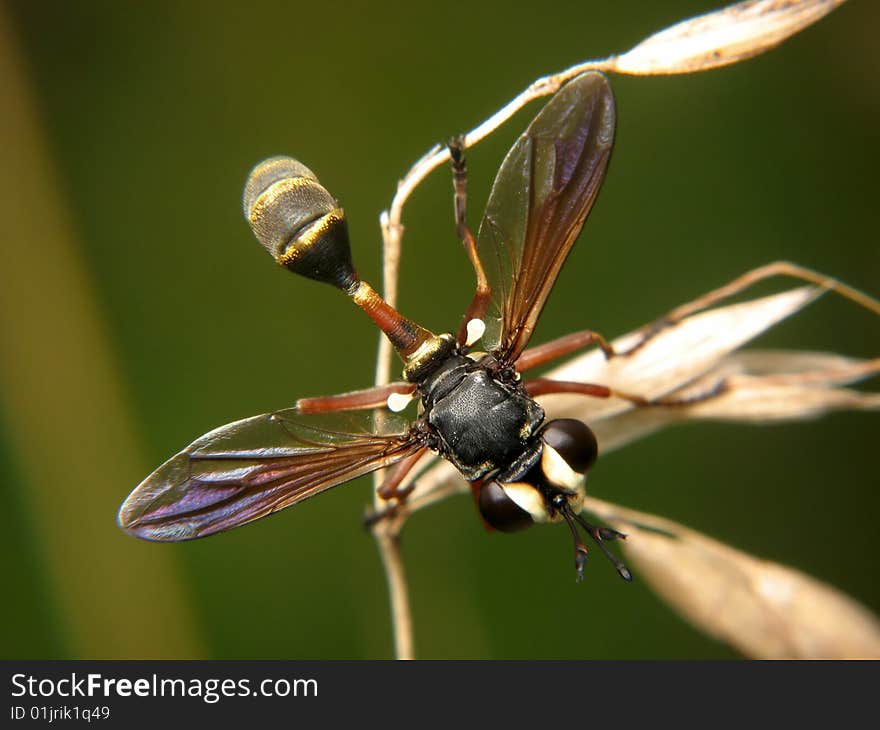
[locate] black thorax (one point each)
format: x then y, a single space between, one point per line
482 416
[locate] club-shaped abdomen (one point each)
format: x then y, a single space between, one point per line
299 222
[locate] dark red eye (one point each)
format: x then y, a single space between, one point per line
573 441
500 511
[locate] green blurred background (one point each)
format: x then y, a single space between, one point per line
138 311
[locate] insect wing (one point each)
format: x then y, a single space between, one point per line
541 197
251 468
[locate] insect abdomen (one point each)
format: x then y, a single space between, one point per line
299 222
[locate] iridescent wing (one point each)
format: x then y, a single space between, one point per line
541 197
248 469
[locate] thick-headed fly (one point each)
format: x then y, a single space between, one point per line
474 407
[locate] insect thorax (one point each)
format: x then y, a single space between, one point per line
483 422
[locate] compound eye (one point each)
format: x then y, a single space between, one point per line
500 511
573 441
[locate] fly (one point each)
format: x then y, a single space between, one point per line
475 408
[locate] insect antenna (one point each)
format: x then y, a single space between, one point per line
580 550
600 535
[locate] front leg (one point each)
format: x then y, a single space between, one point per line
480 302
549 351
547 386
391 492
383 396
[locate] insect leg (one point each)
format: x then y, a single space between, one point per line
480 303
459 185
355 400
546 386
541 354
390 489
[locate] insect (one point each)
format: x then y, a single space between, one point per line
474 407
